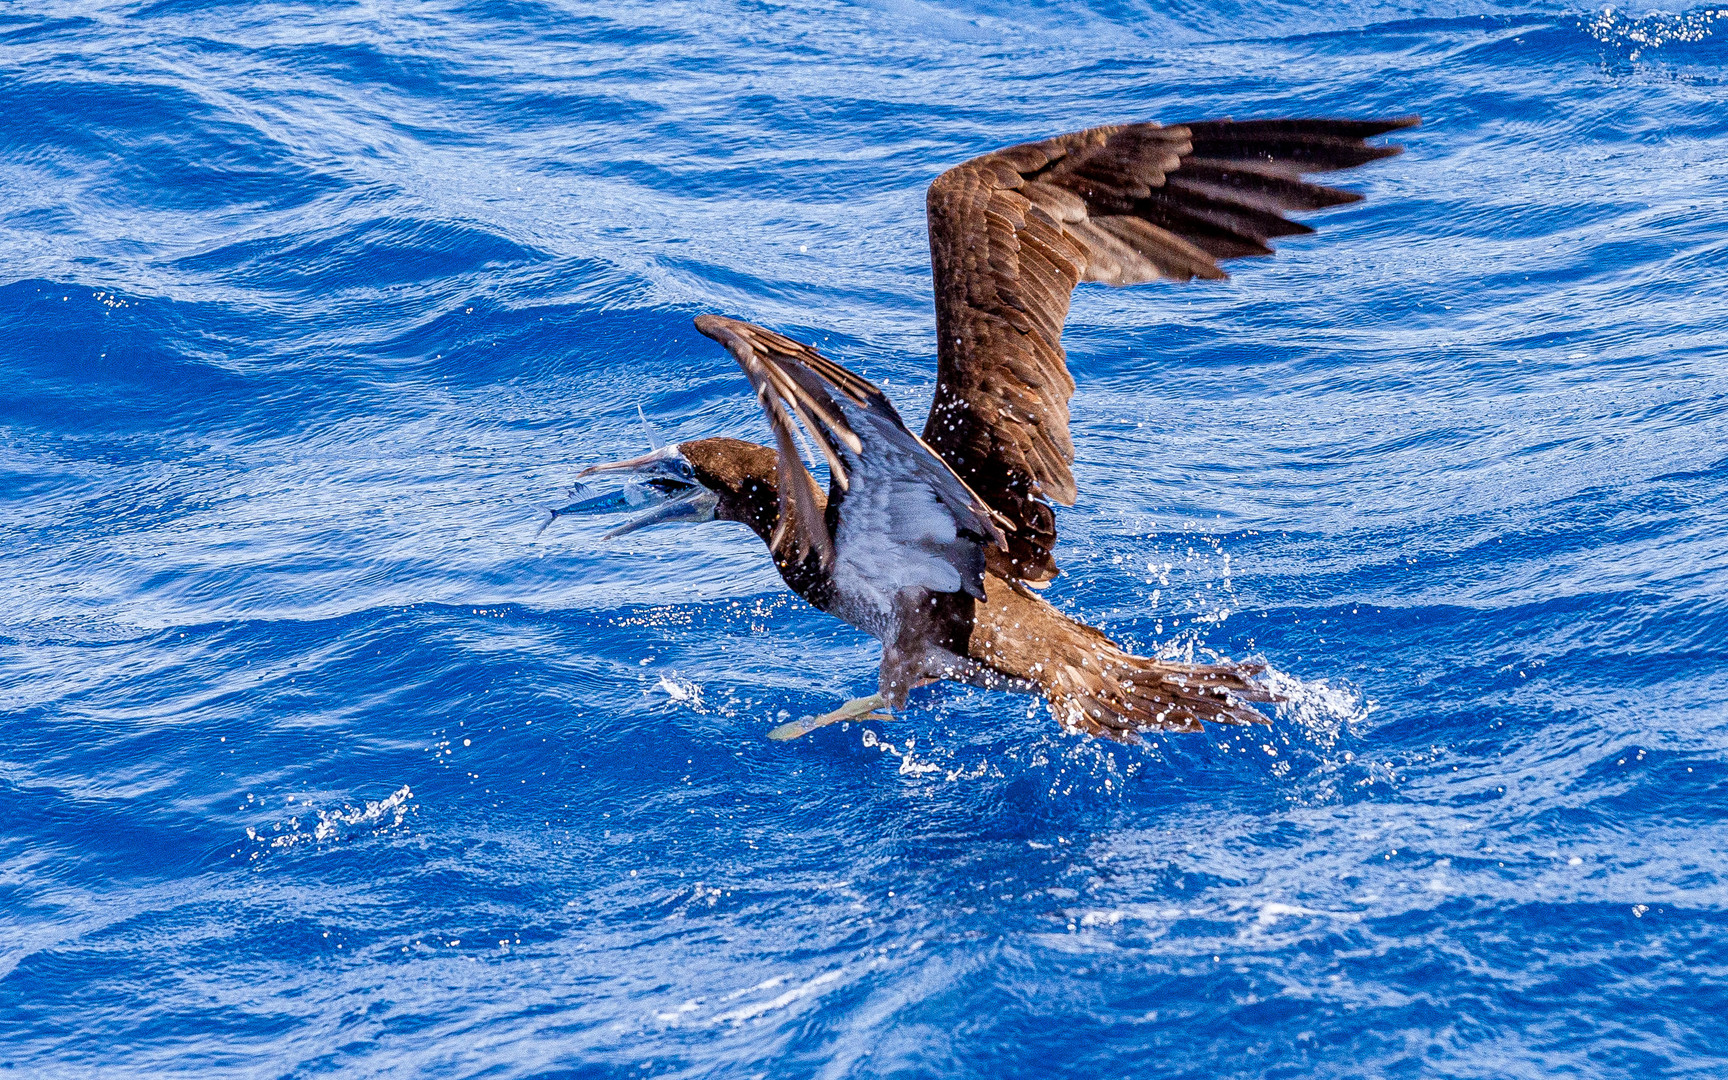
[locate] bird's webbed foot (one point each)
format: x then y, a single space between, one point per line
863 708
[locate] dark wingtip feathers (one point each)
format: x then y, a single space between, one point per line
1301 145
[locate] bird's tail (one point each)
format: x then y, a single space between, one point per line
1095 686
1116 693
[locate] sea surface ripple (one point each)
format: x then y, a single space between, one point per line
318 762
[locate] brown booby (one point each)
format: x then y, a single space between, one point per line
934 544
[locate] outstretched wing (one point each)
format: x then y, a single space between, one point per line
1013 232
886 488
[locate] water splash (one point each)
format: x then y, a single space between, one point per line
909 763
1322 708
1637 34
680 690
376 816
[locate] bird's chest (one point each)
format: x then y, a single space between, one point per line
924 635
876 586
867 604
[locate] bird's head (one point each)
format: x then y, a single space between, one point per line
702 480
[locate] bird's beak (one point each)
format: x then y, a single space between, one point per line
664 461
698 505
661 479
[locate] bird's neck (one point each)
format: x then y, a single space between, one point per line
757 504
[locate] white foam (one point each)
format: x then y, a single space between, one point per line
1317 706
328 825
909 764
333 822
680 690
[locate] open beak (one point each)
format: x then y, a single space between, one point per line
662 480
698 505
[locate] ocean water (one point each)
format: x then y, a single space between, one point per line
316 761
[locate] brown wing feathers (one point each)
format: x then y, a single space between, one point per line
781 370
1012 233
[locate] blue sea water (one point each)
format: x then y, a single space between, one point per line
316 761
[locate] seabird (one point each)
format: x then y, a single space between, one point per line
936 544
